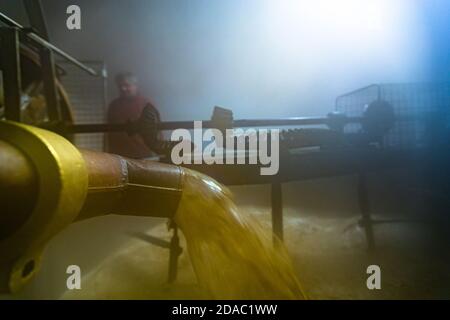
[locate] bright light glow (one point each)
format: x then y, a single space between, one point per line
334 44
331 15
330 20
278 58
352 27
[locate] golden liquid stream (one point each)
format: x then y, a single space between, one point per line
233 256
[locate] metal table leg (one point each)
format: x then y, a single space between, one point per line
277 211
364 206
175 251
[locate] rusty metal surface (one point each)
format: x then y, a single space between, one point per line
119 185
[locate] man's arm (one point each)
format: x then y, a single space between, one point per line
147 124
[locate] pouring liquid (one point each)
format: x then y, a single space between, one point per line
233 256
229 255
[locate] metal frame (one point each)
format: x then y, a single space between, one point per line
36 17
50 89
12 36
39 41
10 64
375 85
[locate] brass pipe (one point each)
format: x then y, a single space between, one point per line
118 185
18 188
46 184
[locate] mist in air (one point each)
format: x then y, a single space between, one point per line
261 58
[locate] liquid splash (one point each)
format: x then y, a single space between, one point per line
233 256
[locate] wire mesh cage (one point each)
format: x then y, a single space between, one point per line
87 95
422 111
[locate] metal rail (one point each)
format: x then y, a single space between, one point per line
336 101
171 125
44 43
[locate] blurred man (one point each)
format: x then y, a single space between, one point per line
127 107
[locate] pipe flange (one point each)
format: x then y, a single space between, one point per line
62 187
